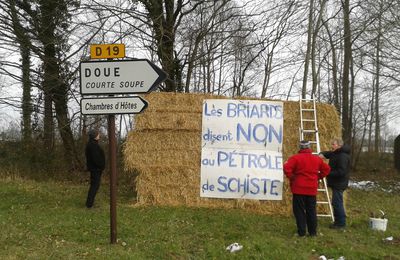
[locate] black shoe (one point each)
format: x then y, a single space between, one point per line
334 226
300 235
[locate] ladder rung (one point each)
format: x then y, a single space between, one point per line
322 202
312 142
324 215
307 109
309 131
321 190
308 120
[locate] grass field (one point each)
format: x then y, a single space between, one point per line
48 220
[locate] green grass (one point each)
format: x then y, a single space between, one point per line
48 220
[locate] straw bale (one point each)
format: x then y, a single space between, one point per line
171 120
165 149
177 102
155 183
166 158
163 140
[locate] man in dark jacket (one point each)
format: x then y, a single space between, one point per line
338 179
95 162
303 170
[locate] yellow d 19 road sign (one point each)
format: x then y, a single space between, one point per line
107 51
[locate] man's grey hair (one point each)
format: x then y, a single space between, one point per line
338 141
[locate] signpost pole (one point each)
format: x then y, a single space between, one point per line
113 178
115 77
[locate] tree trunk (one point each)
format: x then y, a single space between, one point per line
53 84
313 49
191 61
356 154
371 121
377 83
63 122
26 97
334 69
353 76
346 70
163 26
308 51
267 73
377 87
48 123
220 69
24 47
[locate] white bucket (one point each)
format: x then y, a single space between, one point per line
378 223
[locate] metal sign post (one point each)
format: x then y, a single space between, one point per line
113 178
114 77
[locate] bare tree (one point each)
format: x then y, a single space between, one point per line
346 120
14 26
48 22
316 29
165 17
24 42
334 69
308 51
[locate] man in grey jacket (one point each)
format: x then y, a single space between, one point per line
338 178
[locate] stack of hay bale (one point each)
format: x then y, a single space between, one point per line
164 149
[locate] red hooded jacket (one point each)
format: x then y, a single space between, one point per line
303 170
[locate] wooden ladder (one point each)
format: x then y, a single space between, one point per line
309 131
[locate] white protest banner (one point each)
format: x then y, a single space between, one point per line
242 149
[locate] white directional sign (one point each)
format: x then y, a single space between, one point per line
113 105
119 77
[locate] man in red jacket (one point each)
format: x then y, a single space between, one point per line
303 171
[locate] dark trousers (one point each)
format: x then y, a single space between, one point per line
338 208
305 212
95 177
